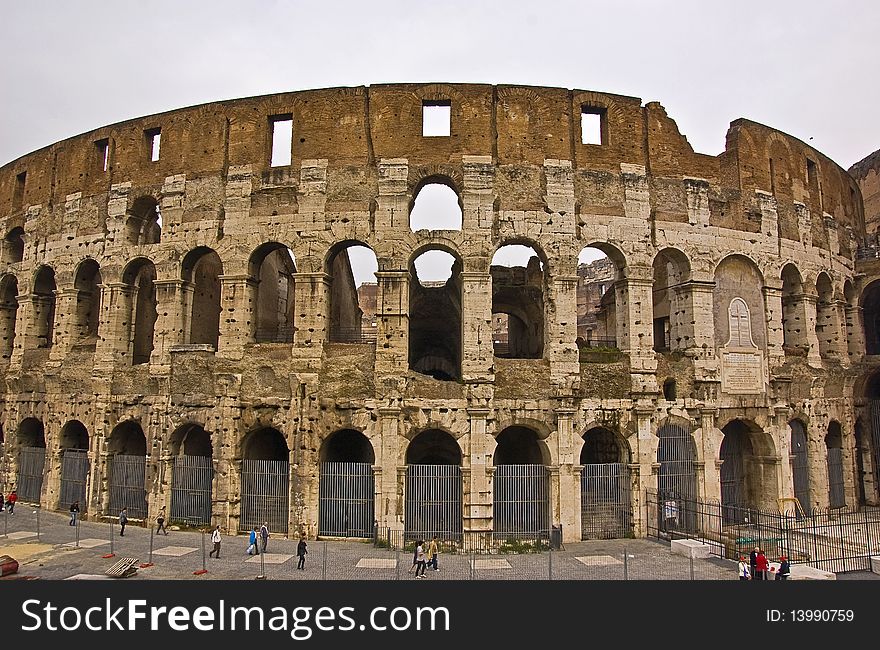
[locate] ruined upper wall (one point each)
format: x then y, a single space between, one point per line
518 127
867 175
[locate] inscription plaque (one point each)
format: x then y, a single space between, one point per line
742 372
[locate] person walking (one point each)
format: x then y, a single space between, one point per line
10 502
252 543
420 559
264 536
301 553
215 537
784 569
160 522
74 513
433 552
761 565
123 519
753 563
743 569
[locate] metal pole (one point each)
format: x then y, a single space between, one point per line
692 567
204 568
397 565
37 511
151 544
5 522
473 562
324 563
111 537
550 563
262 575
77 532
625 564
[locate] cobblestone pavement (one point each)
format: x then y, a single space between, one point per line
53 554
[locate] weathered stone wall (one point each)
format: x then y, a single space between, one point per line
514 157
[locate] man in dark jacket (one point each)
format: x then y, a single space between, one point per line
784 569
264 536
123 519
753 563
301 553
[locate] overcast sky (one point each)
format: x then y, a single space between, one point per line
807 68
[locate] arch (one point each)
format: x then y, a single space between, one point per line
143 224
800 463
352 300
347 446
435 324
737 276
30 440
436 205
794 317
127 447
264 443
191 439
870 303
521 495
87 314
671 301
518 293
606 510
834 450
74 465
265 480
43 299
192 474
140 303
201 269
30 433
74 435
600 270
519 445
748 473
127 439
677 475
13 245
8 314
601 446
273 267
433 447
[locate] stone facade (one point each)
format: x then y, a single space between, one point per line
138 295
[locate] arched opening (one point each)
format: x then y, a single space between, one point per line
435 315
31 443
794 319
433 487
353 290
13 246
521 486
202 269
8 313
871 316
669 390
436 206
826 317
273 267
346 489
127 466
834 448
74 465
140 303
677 479
871 439
738 305
673 320
265 480
144 222
800 466
43 300
748 473
606 508
598 277
192 474
517 302
87 313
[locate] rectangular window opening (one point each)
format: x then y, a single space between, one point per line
812 175
593 125
282 140
18 195
436 118
154 140
103 154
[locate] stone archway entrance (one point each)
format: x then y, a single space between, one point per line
433 487
606 508
346 490
127 467
521 486
265 481
192 475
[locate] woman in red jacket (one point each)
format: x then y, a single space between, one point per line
10 502
761 566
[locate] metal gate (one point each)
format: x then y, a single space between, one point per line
521 500
127 475
733 491
265 495
678 477
874 441
74 472
606 510
345 500
799 466
191 481
836 495
433 502
31 462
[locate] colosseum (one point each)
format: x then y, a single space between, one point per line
185 321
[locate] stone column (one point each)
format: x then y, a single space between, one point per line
477 194
855 334
711 484
389 495
697 193
567 510
769 216
840 345
477 506
775 333
238 294
113 345
698 296
561 333
642 466
65 331
392 315
170 327
635 329
312 318
813 356
476 322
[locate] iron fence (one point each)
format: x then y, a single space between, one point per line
464 542
281 334
265 494
832 539
127 478
31 463
74 473
606 508
191 480
610 342
433 500
353 335
345 500
521 500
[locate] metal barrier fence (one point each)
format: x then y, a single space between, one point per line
31 462
127 476
265 494
606 508
433 501
480 542
353 335
74 472
832 539
345 500
521 500
191 489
